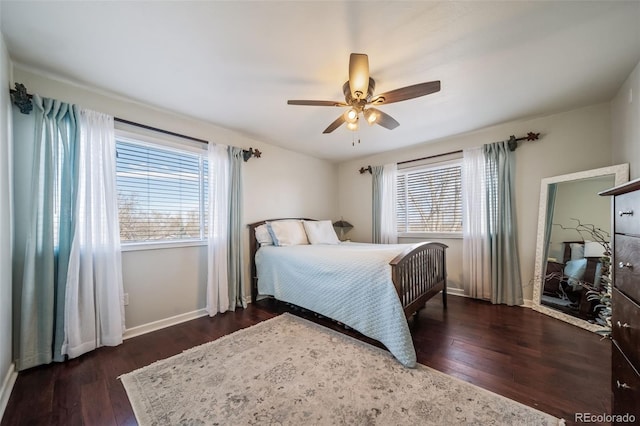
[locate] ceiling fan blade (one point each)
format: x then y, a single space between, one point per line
317 103
385 120
335 124
408 92
359 75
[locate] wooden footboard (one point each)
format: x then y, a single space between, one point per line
419 273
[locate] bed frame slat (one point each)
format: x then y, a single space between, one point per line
418 274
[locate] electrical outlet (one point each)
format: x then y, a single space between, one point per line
126 299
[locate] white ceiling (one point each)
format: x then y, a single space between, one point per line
235 64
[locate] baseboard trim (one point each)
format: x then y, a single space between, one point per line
526 303
7 386
456 292
163 323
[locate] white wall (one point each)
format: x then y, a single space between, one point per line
625 123
579 200
168 282
7 373
570 142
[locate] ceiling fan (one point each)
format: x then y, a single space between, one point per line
358 95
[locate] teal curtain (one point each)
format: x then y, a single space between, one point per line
376 231
552 188
506 284
48 232
235 264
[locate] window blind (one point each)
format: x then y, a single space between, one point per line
162 193
429 199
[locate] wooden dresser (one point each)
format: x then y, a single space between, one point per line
625 363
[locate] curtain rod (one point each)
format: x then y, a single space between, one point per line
155 129
22 100
246 153
512 143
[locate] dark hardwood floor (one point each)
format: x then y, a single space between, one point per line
515 352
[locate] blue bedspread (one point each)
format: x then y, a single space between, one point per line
349 282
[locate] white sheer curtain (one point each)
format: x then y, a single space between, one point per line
94 308
389 230
384 204
218 234
476 269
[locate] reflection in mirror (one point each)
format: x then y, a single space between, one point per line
574 229
579 218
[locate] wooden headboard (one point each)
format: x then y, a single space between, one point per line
253 249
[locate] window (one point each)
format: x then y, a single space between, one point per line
162 192
429 199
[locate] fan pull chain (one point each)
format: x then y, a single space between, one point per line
353 138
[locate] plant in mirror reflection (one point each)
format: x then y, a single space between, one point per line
599 292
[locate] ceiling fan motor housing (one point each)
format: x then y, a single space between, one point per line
362 101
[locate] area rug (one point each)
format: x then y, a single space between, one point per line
290 371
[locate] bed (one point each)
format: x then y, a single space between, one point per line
372 288
565 281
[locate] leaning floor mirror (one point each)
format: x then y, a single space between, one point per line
574 229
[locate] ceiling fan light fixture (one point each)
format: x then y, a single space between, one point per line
351 115
353 126
371 116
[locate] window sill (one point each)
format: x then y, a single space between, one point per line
431 235
161 245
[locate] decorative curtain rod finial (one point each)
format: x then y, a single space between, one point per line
513 141
248 153
531 136
21 99
364 170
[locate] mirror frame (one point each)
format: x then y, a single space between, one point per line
621 175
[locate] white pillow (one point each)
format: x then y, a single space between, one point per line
577 251
287 232
263 236
320 232
593 249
